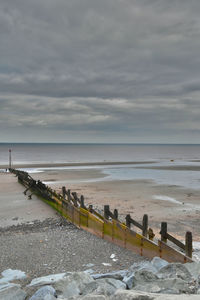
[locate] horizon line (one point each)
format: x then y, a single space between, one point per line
97 143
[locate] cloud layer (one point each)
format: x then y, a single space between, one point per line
100 71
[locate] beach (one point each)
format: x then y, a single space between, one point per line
179 206
176 205
35 239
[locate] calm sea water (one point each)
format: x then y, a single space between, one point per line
159 155
58 153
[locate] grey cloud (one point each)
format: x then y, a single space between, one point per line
100 66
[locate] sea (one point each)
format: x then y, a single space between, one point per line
141 158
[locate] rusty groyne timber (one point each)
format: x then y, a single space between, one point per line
107 226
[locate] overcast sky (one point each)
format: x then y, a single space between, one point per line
100 71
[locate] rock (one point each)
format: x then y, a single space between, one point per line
44 292
193 268
89 271
128 280
115 275
45 280
10 275
175 270
158 263
153 267
147 265
103 286
49 297
11 291
169 285
72 285
143 276
135 295
91 297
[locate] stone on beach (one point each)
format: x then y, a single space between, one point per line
11 291
156 279
44 293
72 285
104 286
136 295
10 275
49 279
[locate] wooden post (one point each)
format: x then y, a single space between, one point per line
82 201
128 221
163 232
75 200
115 214
68 195
106 211
64 192
188 243
145 225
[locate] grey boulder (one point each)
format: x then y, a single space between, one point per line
11 291
175 270
104 286
44 292
136 295
72 285
49 279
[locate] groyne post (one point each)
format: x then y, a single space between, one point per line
128 221
188 243
145 225
106 211
68 195
64 192
82 201
163 232
115 214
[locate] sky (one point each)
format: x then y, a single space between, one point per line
100 71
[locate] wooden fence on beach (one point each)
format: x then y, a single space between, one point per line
107 226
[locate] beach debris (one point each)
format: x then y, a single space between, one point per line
106 264
112 255
89 265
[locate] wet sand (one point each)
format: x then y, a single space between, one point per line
180 207
15 206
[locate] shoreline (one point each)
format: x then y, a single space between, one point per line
80 164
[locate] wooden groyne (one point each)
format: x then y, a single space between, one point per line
108 226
